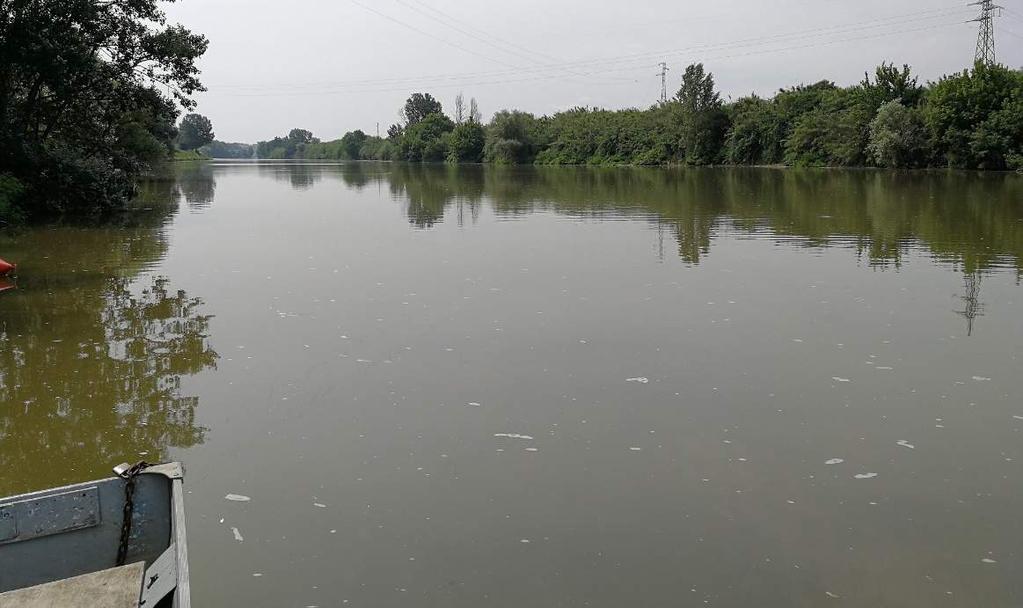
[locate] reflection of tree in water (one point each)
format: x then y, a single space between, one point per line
99 382
971 220
429 189
197 185
91 362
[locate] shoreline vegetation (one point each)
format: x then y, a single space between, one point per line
970 120
90 103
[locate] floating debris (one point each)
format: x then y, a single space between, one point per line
866 476
475 404
832 595
237 535
837 379
532 450
981 379
1018 417
319 505
636 449
237 498
639 380
988 560
905 444
834 461
513 436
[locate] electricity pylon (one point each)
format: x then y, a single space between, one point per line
664 82
986 38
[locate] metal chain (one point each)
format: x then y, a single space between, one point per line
129 476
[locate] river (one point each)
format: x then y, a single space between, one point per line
504 387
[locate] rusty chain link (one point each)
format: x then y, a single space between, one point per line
129 476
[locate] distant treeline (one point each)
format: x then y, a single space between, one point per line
221 149
969 120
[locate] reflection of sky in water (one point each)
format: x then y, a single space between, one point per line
514 386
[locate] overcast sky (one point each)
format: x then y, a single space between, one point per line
331 66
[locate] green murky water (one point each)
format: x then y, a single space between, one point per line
526 387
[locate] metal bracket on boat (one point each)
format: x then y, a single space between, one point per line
161 578
171 470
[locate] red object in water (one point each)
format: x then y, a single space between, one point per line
6 269
6 285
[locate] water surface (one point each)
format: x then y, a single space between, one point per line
464 386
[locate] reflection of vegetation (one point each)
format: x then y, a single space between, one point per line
196 183
972 220
101 383
91 362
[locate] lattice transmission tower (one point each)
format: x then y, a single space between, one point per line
986 38
664 82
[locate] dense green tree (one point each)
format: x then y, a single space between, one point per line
195 132
976 118
833 134
892 84
82 103
292 146
702 122
898 137
427 140
467 142
351 144
512 137
418 107
754 136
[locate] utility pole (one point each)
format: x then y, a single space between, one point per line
986 38
664 81
378 130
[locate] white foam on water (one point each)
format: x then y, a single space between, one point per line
237 498
905 444
639 380
237 535
866 476
513 436
834 461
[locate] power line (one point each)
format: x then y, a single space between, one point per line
498 39
481 37
986 38
371 87
605 63
429 35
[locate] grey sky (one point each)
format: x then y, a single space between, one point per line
332 66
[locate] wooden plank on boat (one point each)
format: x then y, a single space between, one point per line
114 588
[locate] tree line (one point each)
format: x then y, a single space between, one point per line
968 120
89 98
